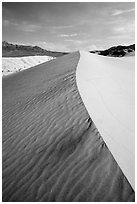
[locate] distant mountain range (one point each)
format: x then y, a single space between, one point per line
13 50
117 51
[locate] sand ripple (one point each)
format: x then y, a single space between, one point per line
52 151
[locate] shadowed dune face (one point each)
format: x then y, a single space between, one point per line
52 151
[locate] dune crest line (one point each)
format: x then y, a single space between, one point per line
106 86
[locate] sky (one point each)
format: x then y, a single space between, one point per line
69 26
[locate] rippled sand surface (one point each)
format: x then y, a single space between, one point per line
52 150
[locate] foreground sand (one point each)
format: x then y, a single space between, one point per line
52 151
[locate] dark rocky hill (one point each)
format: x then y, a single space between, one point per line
13 50
117 51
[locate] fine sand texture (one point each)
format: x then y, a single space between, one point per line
11 65
106 85
52 150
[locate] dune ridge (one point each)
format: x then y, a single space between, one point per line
52 150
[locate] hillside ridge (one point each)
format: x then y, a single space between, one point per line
14 50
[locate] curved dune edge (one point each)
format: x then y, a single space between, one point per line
106 86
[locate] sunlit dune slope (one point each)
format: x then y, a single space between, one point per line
15 64
52 151
106 85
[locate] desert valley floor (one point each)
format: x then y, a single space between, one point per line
52 150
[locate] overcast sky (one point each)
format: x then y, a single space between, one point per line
69 26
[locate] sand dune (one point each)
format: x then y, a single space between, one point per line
52 150
15 64
106 86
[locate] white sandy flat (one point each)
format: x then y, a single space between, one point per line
14 64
